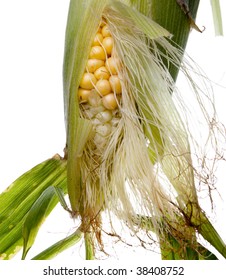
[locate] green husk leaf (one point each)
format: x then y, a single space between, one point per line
143 6
36 216
83 129
59 246
169 15
217 18
18 198
152 29
83 20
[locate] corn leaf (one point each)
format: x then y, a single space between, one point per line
60 194
59 246
36 216
217 18
18 198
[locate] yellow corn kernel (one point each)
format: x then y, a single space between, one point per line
88 81
105 31
109 101
97 52
112 64
83 94
93 64
115 84
97 39
102 73
103 87
108 44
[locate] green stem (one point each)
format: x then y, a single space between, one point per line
89 247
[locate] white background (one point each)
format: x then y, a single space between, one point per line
31 100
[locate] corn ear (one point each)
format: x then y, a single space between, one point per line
145 145
145 166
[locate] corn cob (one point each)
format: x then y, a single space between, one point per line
100 88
